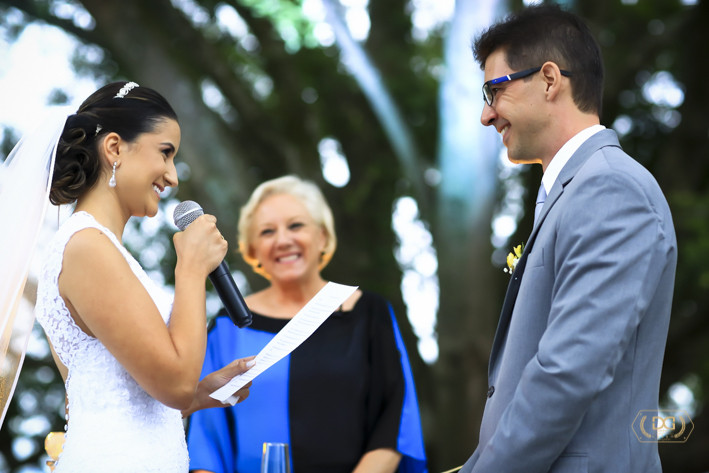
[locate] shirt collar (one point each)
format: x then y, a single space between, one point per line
564 154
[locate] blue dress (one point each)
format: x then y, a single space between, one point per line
346 390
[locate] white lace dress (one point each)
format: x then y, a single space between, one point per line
113 425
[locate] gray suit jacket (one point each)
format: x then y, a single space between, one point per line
579 346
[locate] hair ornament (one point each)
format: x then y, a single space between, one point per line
125 89
98 130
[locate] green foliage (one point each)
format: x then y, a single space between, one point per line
289 21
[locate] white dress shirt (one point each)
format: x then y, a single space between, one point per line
564 154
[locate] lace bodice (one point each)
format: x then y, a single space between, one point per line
113 425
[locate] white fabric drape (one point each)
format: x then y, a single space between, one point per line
25 179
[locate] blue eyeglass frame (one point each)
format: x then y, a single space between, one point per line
487 92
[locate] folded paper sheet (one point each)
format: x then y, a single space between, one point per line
300 327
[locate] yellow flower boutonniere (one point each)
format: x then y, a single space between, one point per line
513 258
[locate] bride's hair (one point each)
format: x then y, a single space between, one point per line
120 107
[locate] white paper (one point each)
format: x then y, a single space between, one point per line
300 327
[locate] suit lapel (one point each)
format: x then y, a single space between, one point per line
599 140
507 306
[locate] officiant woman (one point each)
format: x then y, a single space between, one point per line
344 400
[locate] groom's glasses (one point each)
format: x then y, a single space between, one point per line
487 89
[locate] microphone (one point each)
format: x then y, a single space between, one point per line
187 212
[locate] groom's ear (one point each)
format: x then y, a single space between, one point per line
551 74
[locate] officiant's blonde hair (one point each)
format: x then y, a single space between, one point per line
308 194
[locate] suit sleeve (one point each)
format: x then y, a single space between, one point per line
610 251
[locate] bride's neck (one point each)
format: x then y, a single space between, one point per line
105 209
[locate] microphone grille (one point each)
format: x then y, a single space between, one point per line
185 213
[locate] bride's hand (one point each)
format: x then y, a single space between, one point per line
216 380
200 247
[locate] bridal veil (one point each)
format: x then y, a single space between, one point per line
25 180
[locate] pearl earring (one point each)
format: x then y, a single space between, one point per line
112 181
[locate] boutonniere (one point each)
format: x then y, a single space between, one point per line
513 258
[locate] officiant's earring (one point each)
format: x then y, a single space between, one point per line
112 181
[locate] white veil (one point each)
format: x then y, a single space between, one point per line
25 180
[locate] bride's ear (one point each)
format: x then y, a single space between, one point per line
110 147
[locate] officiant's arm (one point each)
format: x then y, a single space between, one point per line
381 460
216 380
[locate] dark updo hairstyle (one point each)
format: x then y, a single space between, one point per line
78 163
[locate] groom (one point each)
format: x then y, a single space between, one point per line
579 346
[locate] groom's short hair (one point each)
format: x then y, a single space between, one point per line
541 33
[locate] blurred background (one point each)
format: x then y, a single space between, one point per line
378 102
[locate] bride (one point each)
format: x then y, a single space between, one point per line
130 356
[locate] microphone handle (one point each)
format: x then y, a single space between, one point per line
230 296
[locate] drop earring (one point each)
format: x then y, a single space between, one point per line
112 181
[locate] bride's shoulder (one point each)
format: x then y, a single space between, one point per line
88 243
89 253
